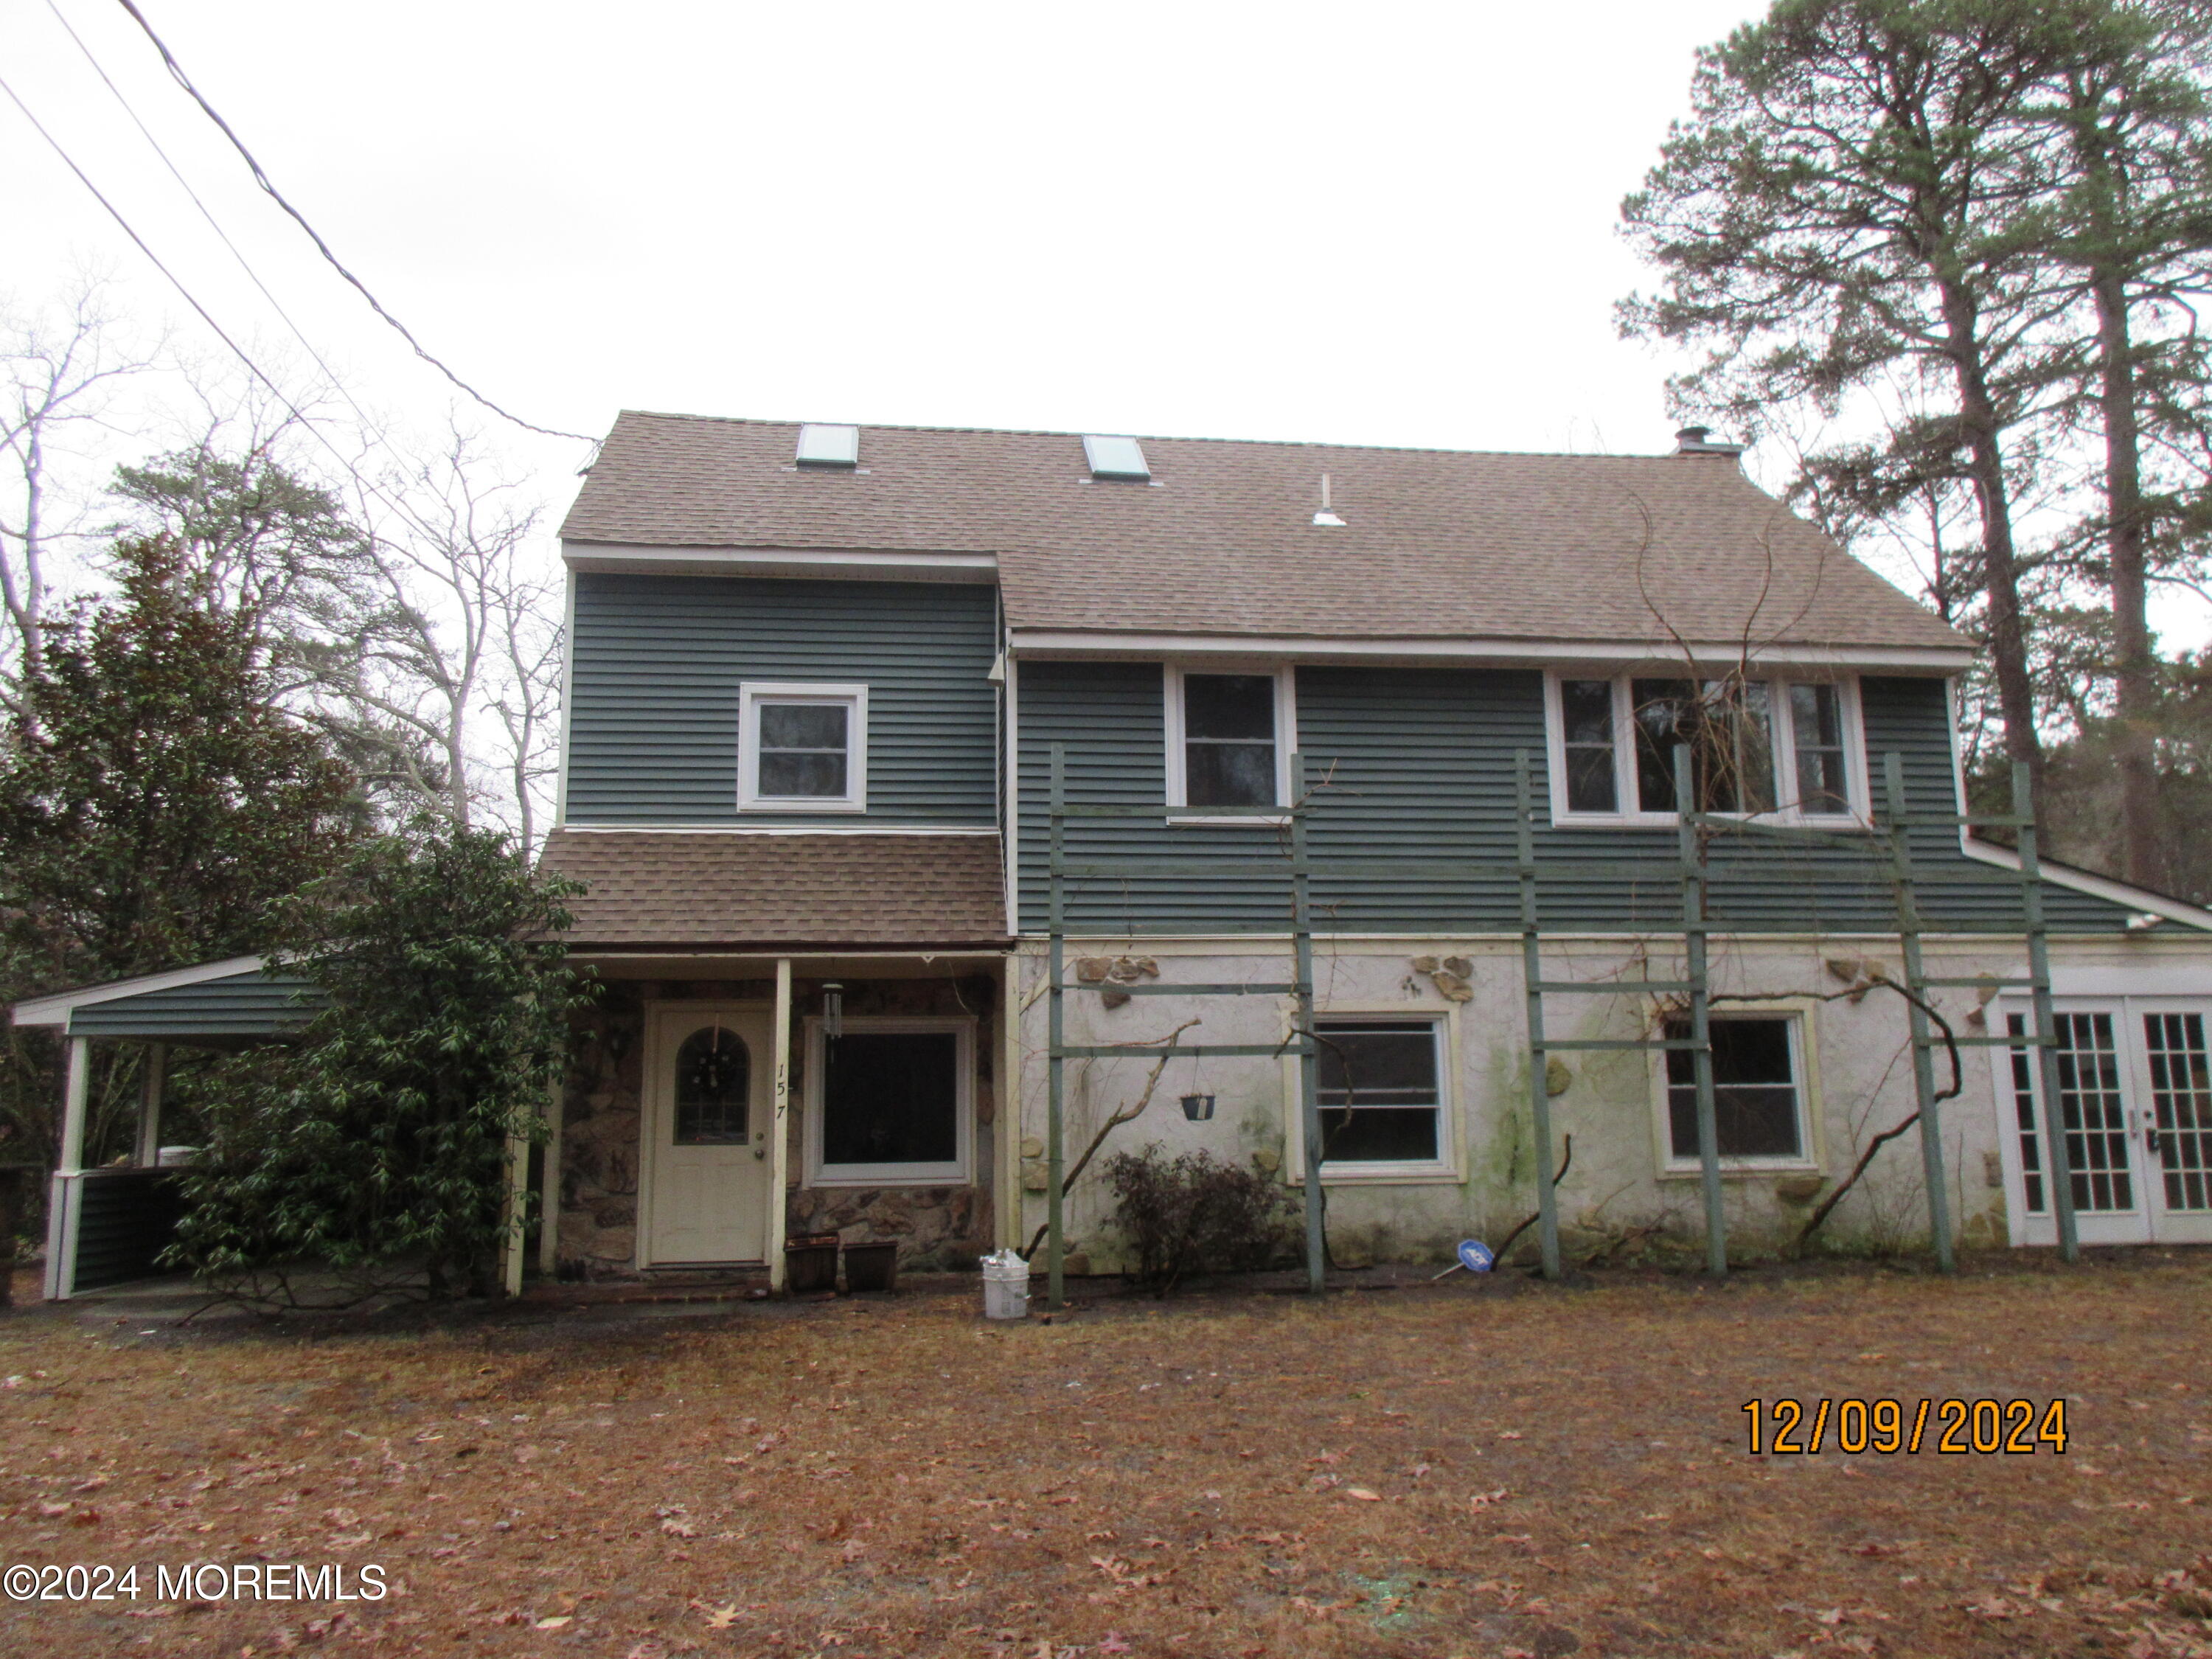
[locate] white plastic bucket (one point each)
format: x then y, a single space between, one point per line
1006 1286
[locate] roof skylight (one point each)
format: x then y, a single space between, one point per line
829 445
1115 458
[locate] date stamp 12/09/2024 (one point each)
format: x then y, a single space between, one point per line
194 1581
1954 1428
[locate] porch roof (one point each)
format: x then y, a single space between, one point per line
724 889
219 1004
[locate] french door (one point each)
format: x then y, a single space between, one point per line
2135 1093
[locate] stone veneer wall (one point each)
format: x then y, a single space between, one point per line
601 1115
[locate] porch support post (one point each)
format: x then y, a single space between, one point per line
549 1183
510 1209
1007 1114
152 1076
779 1134
1056 1029
68 1164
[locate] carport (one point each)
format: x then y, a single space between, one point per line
105 1225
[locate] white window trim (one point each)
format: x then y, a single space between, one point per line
958 1173
1857 783
1447 1168
751 695
1286 740
1799 1015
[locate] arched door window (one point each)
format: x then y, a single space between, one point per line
713 1077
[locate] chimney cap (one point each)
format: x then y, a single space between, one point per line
1698 440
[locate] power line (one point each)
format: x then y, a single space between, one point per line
331 374
220 333
261 178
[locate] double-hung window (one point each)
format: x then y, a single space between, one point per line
802 747
1758 1093
1783 747
1380 1087
1229 740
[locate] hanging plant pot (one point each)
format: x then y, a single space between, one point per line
1198 1108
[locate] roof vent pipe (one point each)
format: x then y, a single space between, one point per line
1698 440
1326 515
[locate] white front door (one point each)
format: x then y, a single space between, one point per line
2136 1102
709 1105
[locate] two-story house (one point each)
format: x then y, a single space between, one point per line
817 677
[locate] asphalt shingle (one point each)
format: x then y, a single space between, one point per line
697 888
1438 545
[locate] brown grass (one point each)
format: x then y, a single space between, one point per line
1482 1469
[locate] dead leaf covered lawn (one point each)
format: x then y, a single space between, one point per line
1478 1470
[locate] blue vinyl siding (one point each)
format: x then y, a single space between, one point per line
125 1219
249 1005
657 661
1418 764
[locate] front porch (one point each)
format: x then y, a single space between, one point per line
800 1032
715 1107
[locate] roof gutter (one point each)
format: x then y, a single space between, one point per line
1097 644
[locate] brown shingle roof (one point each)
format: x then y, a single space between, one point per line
694 889
1439 545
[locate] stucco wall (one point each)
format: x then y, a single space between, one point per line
1857 1074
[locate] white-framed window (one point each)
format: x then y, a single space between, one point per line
890 1102
1786 749
802 747
1229 734
1381 1087
1761 1110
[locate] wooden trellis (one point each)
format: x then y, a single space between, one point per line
1883 848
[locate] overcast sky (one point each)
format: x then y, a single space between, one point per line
1365 224
1370 224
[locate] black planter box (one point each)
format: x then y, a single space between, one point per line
871 1266
810 1267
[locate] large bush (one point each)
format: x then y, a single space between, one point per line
1198 1213
377 1148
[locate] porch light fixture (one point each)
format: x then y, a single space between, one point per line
1198 1108
833 1010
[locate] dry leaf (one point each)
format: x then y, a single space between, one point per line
1363 1494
